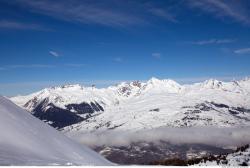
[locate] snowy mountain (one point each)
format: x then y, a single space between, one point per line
25 140
142 105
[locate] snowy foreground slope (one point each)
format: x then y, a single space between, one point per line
25 140
138 105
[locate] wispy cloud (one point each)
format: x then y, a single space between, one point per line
221 9
53 53
118 59
27 66
242 51
156 55
163 14
6 24
212 41
112 13
90 12
118 13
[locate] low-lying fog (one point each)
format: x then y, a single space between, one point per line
221 137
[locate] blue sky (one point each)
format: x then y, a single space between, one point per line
52 42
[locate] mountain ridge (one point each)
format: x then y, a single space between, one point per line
164 102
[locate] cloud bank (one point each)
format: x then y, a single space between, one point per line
222 137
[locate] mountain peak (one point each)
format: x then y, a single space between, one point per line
154 79
163 85
67 86
212 83
71 85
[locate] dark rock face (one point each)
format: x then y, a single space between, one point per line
220 105
203 107
59 118
84 108
192 112
156 109
241 109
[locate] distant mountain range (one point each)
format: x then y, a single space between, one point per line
142 105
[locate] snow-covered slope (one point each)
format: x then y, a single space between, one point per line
239 158
25 140
142 105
